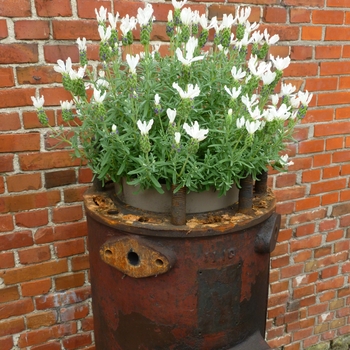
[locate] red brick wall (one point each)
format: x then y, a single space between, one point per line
44 278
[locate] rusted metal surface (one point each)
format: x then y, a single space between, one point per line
136 257
178 206
245 202
260 187
213 297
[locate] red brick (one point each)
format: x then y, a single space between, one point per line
327 186
43 335
33 29
37 75
23 182
80 263
301 53
18 53
6 223
308 216
335 33
331 172
86 8
16 308
48 160
313 175
85 175
321 159
18 8
74 312
285 32
11 326
334 143
334 235
327 17
320 84
34 255
328 224
331 129
73 29
72 195
32 272
52 345
15 203
6 80
60 178
37 287
9 294
9 121
341 156
333 283
19 142
87 324
6 343
7 260
67 214
306 243
52 53
53 95
290 271
333 98
328 52
53 8
329 272
301 69
31 121
41 319
311 33
77 341
345 195
16 240
16 97
344 83
70 281
68 231
301 256
62 299
275 14
300 15
321 115
32 218
290 193
304 230
330 68
70 247
3 29
311 146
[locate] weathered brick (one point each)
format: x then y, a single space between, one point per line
3 29
18 8
53 8
9 294
34 255
59 178
15 98
41 319
6 79
34 29
70 281
16 308
23 182
11 326
37 75
37 287
36 271
18 53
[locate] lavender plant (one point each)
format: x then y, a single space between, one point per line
204 115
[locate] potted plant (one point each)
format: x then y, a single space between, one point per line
190 116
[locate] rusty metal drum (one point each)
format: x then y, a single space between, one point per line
199 286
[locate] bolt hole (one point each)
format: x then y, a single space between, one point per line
159 262
143 219
108 253
113 212
133 258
